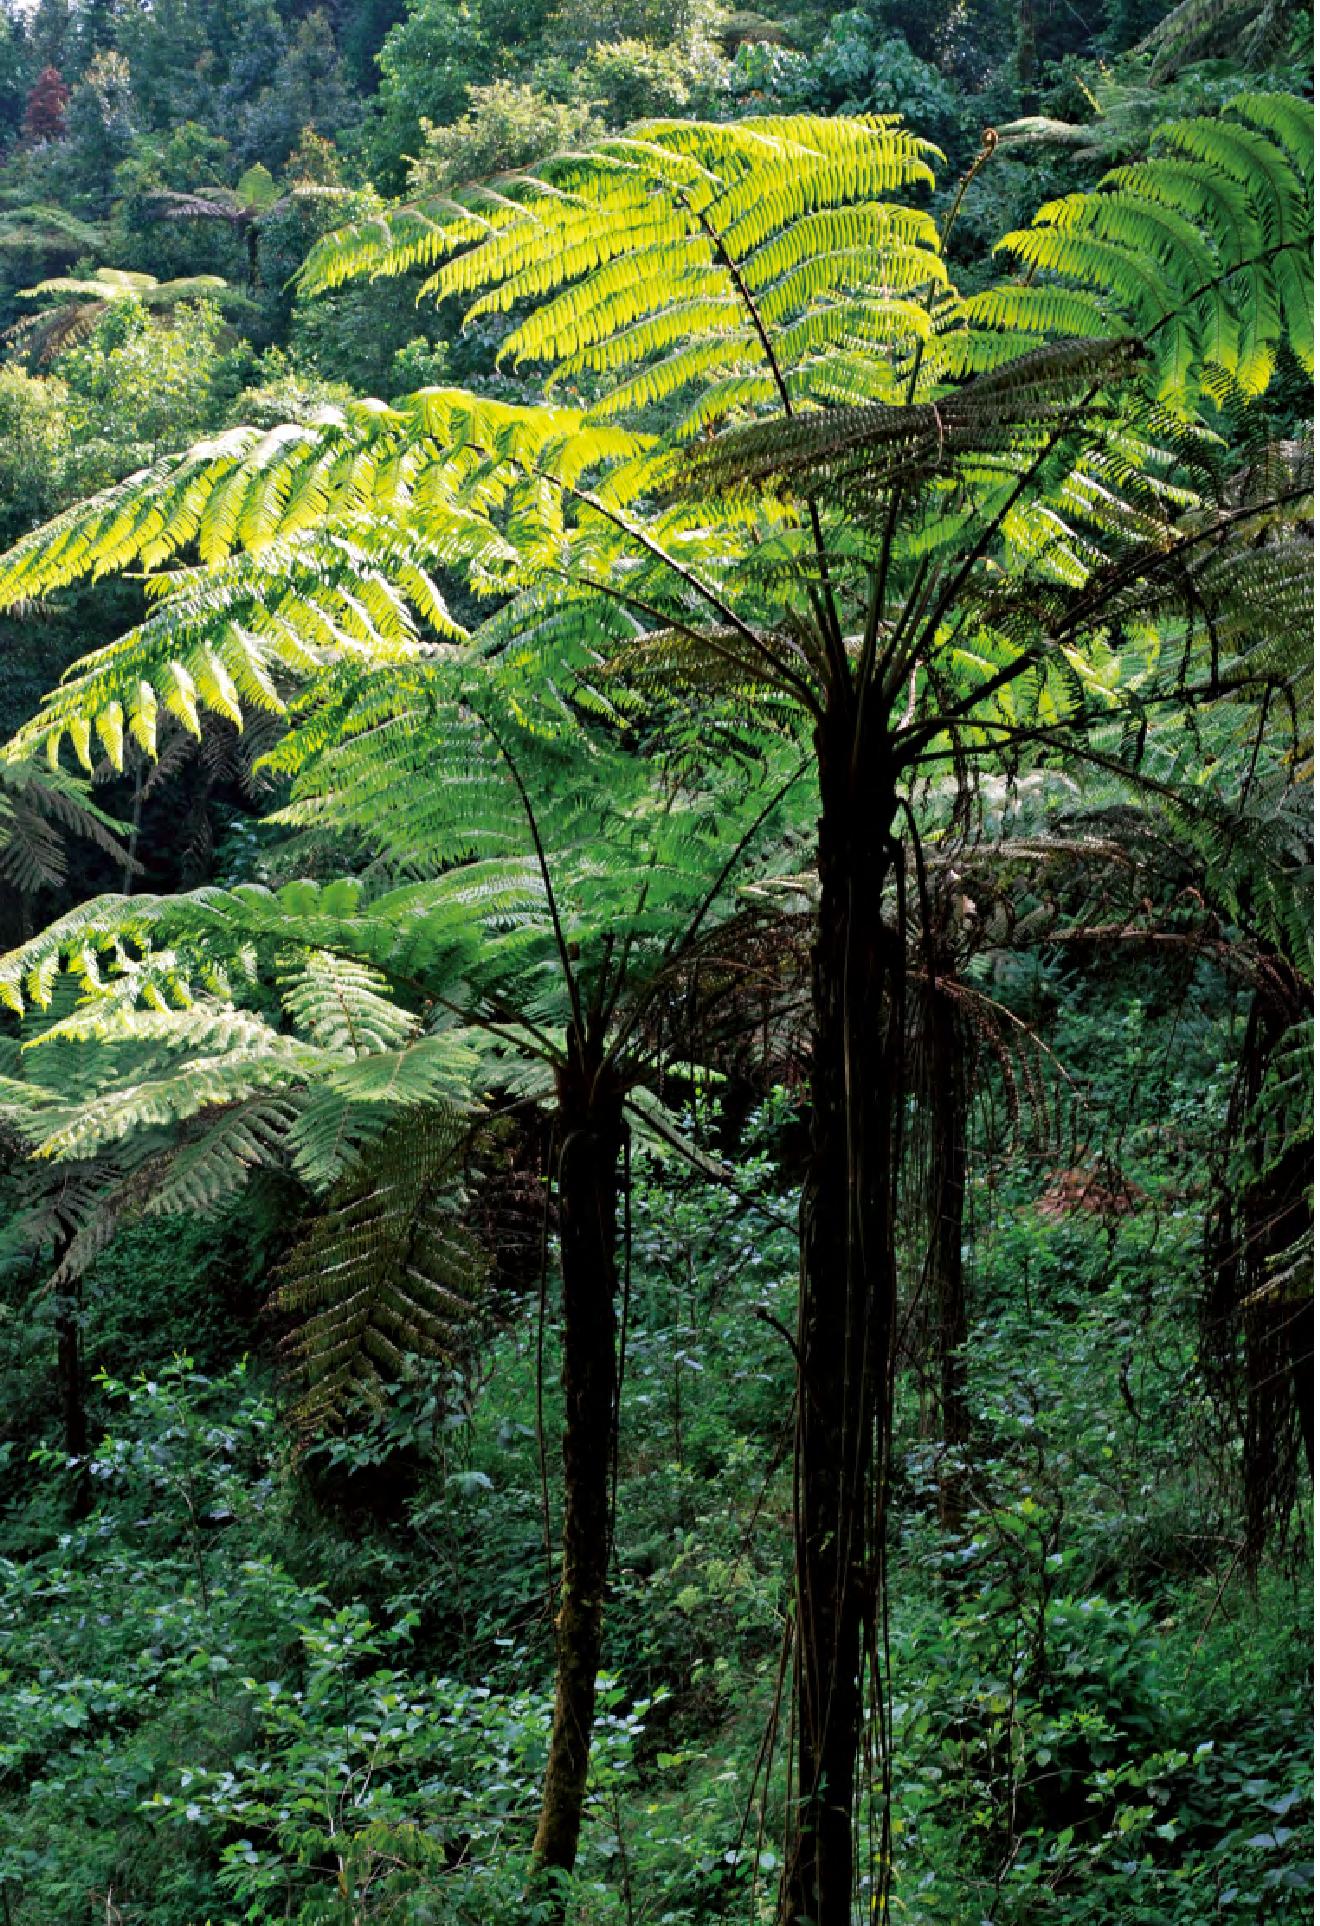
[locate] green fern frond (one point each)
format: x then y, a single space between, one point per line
343 1005
206 1169
202 497
871 447
40 812
201 1084
1200 251
385 1273
354 1102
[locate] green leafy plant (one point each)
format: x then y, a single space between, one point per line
74 305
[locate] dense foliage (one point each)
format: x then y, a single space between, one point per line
655 1020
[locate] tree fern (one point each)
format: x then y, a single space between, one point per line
919 535
1195 28
74 305
311 1031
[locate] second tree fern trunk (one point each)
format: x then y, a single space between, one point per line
71 1375
591 1123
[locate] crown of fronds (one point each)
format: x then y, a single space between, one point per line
316 1030
73 304
764 266
1254 29
36 228
761 263
536 842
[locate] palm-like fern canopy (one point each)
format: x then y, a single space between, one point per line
1016 458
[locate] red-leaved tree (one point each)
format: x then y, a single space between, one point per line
43 117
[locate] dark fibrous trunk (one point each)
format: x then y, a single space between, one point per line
847 1311
591 1136
1260 1316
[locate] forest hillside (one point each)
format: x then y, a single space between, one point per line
656 978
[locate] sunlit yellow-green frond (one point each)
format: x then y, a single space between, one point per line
1204 251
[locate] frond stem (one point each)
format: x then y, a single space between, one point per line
829 614
565 961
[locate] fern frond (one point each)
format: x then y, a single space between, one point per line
872 447
385 1273
207 1167
343 1005
1201 250
39 813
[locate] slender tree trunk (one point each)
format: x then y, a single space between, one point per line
591 1127
948 1196
73 1408
846 1328
1302 1335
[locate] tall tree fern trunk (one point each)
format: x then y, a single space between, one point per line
846 1328
591 1127
1263 1214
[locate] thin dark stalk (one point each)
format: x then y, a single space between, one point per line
723 609
565 961
624 1313
540 1375
828 616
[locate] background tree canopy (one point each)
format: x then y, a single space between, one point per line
656 985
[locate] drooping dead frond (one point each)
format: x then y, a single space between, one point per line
857 452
